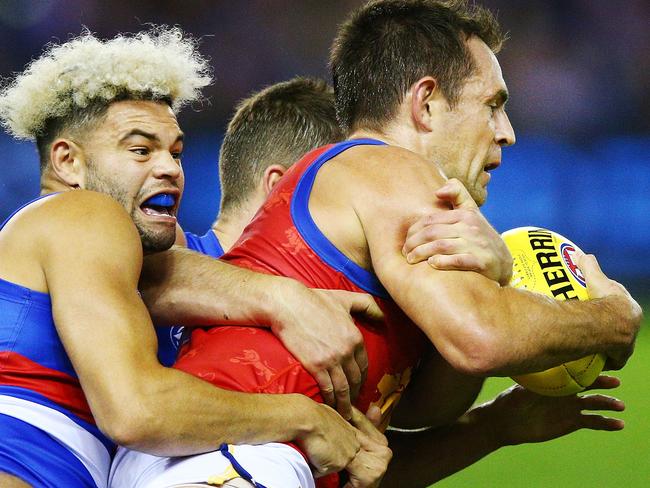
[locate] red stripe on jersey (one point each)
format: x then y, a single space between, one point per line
62 389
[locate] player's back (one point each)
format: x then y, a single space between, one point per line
283 239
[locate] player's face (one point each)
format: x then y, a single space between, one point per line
477 128
133 155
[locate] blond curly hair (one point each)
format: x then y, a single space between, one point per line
161 63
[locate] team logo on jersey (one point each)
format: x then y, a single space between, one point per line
176 336
567 252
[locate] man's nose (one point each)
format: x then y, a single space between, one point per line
505 134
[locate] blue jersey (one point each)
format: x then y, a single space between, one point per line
207 244
40 397
170 339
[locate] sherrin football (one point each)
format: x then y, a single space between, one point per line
544 263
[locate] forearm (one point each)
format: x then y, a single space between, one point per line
487 330
175 414
422 458
533 332
181 287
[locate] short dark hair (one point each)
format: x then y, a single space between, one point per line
276 125
387 45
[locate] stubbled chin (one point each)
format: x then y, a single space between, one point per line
479 195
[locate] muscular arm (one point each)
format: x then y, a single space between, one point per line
91 255
479 327
183 287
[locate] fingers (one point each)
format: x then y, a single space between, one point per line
341 392
361 357
353 374
588 264
358 303
369 465
342 364
430 247
446 233
366 426
604 382
601 402
326 387
457 262
374 415
599 422
454 192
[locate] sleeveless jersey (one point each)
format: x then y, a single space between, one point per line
38 384
284 240
170 339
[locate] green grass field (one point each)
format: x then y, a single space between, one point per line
584 458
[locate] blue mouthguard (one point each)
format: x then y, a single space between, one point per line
161 200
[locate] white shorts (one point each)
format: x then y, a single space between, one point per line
272 465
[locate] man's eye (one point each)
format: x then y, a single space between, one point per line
140 151
177 155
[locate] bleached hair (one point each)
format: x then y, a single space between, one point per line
159 64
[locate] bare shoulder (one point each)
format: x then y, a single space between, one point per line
394 167
387 176
82 211
63 228
81 219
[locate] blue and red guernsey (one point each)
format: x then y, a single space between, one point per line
38 384
284 240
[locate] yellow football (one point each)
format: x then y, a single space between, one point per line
544 263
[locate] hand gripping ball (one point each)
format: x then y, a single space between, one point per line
544 263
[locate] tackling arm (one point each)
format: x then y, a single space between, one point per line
91 256
187 288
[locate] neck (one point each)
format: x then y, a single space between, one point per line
50 185
231 223
394 134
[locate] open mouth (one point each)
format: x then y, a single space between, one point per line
160 205
491 166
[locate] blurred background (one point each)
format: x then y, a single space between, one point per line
578 74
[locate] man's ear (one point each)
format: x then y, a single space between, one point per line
68 162
271 176
424 98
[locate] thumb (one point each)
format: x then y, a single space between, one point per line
455 193
374 415
588 264
360 303
366 428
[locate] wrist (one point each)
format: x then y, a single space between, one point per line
624 322
305 419
267 300
283 298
